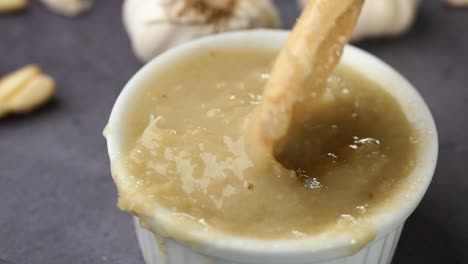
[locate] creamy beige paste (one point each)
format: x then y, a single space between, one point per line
186 149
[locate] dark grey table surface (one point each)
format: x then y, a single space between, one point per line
57 199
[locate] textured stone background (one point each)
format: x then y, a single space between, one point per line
57 199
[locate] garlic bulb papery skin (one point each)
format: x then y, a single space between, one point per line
387 18
383 18
68 8
156 25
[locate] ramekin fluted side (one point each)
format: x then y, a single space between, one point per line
168 251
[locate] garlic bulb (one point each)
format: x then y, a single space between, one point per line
383 18
156 25
68 7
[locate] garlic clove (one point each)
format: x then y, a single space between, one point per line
10 83
24 90
68 8
154 26
33 94
8 6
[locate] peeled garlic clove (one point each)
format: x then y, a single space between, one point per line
33 94
383 18
24 90
7 6
154 26
456 2
68 8
10 83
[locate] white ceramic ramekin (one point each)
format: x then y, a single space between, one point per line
212 247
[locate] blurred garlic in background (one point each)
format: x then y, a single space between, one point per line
383 18
68 8
456 2
8 6
156 25
25 90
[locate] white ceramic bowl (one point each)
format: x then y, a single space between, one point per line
215 247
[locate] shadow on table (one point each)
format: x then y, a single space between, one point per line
2 261
47 109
